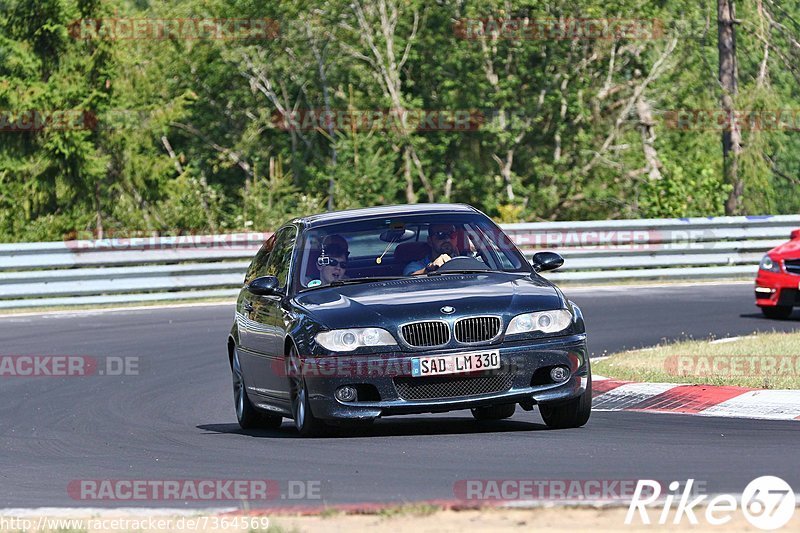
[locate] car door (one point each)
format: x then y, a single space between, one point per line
244 311
265 324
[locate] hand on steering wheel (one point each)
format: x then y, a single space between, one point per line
436 263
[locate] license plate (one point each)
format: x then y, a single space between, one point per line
438 365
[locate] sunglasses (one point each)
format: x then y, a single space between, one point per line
329 261
441 235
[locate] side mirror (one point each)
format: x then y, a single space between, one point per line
544 261
795 234
265 286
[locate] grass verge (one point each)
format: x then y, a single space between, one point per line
762 361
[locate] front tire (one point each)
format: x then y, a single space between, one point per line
304 420
494 412
780 312
571 414
248 415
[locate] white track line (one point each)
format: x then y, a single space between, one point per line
629 395
87 312
768 404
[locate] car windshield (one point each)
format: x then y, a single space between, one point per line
380 248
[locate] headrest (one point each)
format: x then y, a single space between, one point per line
312 270
461 240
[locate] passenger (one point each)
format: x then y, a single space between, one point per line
332 264
442 240
331 261
337 240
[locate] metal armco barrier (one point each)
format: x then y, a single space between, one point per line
212 266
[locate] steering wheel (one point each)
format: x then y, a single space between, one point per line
462 262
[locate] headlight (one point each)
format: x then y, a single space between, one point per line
768 264
347 340
544 321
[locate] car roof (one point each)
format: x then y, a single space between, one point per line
382 211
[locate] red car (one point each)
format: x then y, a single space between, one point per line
778 279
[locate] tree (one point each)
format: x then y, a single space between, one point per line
728 78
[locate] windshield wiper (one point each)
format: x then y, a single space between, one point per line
353 281
464 271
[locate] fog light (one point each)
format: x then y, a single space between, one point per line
346 394
559 374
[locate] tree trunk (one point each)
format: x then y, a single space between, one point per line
505 172
648 134
411 196
327 100
99 222
728 76
388 69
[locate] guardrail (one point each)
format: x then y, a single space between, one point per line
212 266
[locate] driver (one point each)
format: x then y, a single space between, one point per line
442 240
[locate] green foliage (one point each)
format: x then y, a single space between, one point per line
269 200
181 135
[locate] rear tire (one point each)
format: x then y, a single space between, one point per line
780 312
304 420
571 414
495 412
248 415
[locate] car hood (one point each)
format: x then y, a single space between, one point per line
389 303
787 250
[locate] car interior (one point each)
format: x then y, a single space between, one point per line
391 263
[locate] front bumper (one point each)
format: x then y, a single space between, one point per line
777 288
519 362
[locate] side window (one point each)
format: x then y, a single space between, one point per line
259 264
281 256
503 248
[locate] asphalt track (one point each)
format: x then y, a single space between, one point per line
175 420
